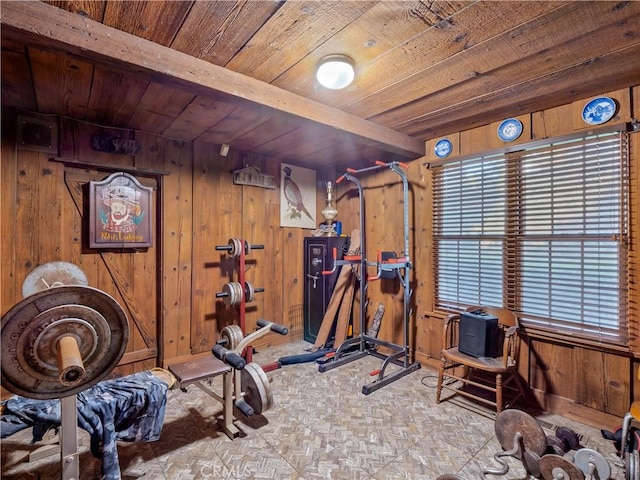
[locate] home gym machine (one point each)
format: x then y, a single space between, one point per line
60 340
252 392
385 268
554 457
245 384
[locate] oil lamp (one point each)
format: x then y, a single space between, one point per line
329 212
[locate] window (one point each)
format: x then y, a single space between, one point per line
541 231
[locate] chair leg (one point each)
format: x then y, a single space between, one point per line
440 379
499 393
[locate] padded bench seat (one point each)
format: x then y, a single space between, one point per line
198 369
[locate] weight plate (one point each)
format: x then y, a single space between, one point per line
556 445
255 386
83 323
32 328
236 246
511 422
631 471
239 293
555 467
450 476
230 298
531 463
37 345
592 462
52 274
233 336
247 247
249 292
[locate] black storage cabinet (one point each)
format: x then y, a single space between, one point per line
318 256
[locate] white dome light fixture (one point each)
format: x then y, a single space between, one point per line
335 71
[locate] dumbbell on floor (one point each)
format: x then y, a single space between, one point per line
564 440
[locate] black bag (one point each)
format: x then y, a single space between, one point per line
633 438
480 334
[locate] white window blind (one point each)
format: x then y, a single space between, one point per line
541 231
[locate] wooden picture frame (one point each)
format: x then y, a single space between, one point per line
120 213
297 197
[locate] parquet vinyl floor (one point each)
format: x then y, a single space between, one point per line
321 426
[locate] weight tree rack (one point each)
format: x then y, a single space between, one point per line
242 292
238 248
398 267
235 342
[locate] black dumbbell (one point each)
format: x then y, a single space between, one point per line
569 436
556 446
563 441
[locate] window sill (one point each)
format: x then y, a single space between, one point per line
574 341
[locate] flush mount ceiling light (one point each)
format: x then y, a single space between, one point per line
335 71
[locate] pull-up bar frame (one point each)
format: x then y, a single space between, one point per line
401 266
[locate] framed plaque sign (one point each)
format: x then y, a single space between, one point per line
120 213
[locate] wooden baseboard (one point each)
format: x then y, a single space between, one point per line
427 361
573 411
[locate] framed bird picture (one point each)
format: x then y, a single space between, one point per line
297 197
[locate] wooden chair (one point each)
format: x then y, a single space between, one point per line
472 377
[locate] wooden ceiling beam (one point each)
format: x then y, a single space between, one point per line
51 28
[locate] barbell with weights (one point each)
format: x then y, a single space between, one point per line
63 337
569 437
235 247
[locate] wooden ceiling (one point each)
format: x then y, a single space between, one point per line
242 72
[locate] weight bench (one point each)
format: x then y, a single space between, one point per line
245 385
206 368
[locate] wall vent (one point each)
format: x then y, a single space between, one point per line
39 134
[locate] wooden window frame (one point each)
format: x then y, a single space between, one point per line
511 239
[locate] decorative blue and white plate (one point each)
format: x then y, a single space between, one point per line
510 129
599 110
443 148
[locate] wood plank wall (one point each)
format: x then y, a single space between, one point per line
170 289
573 379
